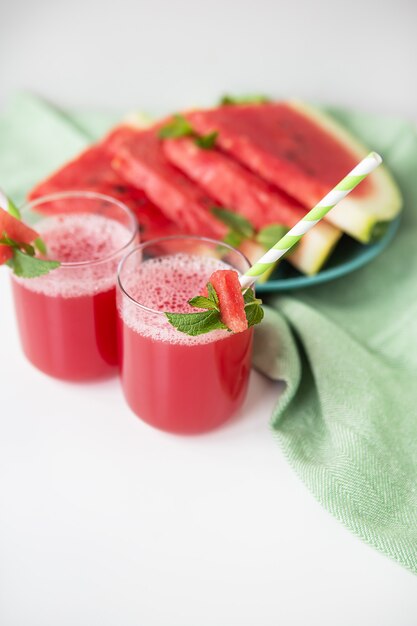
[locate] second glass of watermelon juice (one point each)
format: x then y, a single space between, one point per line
173 381
67 318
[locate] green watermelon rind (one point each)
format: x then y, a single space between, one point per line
312 252
365 217
138 119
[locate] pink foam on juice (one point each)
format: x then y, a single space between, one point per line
67 318
173 381
166 284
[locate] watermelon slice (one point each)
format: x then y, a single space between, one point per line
231 303
15 229
233 186
239 189
304 152
92 171
141 161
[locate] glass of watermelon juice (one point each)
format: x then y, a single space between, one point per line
173 381
67 318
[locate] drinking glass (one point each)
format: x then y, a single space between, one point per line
172 381
67 318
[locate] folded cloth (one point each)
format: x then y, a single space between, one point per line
347 350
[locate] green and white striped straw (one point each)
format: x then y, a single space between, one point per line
346 185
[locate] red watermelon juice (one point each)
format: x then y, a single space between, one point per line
172 381
67 318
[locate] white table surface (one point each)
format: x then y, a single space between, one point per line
103 520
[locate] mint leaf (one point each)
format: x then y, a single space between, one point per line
13 210
27 266
200 323
201 302
269 235
233 239
206 142
40 245
254 314
248 99
237 223
179 126
213 294
5 240
249 296
27 248
24 263
196 323
253 309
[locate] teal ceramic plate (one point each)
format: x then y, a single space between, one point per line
349 256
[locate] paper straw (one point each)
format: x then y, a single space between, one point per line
346 185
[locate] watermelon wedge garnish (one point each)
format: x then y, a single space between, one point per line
5 254
231 303
16 248
16 230
222 305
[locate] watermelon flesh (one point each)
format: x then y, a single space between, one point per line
304 152
141 161
239 189
5 254
233 186
232 306
140 158
15 229
92 171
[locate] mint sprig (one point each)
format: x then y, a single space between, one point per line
236 222
239 227
12 209
201 302
253 309
179 126
206 142
203 322
196 323
24 263
246 99
212 294
269 235
240 230
40 245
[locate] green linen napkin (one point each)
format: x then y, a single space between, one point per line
347 420
348 351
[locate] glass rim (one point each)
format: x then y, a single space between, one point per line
145 244
32 204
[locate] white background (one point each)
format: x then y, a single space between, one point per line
104 521
167 54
